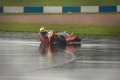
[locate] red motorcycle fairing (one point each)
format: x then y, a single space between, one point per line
70 38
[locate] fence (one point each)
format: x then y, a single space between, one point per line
59 9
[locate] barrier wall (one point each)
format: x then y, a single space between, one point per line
90 9
70 9
108 9
33 9
118 8
59 9
9 9
52 9
1 9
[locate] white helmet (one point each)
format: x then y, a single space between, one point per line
42 29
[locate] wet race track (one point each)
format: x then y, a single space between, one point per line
22 57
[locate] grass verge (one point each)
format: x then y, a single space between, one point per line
58 2
75 28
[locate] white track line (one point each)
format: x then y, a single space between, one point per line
19 42
93 45
35 42
102 62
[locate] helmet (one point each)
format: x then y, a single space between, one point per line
42 29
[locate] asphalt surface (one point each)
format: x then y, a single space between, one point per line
23 57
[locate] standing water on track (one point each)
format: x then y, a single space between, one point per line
23 57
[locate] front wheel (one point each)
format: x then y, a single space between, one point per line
78 39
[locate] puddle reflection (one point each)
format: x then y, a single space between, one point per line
54 51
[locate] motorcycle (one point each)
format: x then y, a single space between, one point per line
59 39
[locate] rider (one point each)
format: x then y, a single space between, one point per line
49 35
43 34
63 34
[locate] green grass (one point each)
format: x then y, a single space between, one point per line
78 29
57 2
